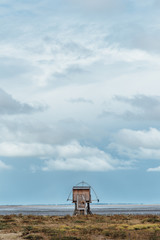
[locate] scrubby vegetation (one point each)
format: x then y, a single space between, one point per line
92 227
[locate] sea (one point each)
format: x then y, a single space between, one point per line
62 210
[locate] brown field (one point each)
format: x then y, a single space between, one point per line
94 227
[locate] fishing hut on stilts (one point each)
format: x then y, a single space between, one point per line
81 197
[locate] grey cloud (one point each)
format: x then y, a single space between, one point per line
139 29
14 67
71 75
73 70
26 131
71 58
135 35
72 129
101 5
80 100
141 101
77 49
10 106
148 106
62 5
17 72
146 40
77 52
141 107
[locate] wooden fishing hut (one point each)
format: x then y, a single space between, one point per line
81 197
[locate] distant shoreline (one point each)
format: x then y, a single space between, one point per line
71 204
68 209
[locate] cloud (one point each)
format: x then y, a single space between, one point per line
134 139
72 156
80 100
142 39
28 130
50 57
20 149
14 67
140 101
76 157
146 107
137 30
78 164
139 107
10 106
137 145
156 169
4 166
101 5
69 48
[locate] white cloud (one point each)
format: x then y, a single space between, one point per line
136 145
4 166
71 156
10 149
156 169
140 138
81 158
79 164
44 46
54 54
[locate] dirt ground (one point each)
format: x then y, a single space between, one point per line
10 236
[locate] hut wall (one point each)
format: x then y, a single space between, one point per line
84 192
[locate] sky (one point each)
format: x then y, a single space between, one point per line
79 100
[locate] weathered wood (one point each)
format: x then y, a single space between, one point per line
84 192
82 198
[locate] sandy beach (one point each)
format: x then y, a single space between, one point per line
62 210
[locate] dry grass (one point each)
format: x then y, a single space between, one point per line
94 227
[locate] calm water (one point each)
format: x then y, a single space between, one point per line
61 210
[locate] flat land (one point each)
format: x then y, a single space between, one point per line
93 227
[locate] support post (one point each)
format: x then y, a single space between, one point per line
88 209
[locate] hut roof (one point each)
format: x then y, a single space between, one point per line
81 187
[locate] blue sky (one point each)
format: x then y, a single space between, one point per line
79 100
